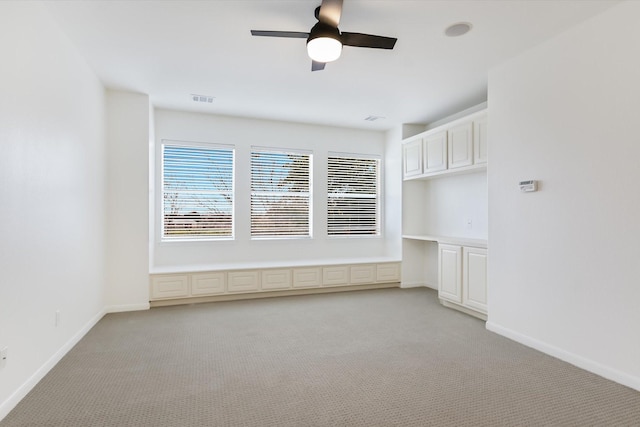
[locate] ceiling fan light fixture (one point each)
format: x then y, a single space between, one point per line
324 49
324 44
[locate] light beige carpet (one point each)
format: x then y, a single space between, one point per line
388 357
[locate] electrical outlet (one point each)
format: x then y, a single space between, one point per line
469 223
3 356
57 322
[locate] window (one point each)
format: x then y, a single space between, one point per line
353 190
280 194
197 188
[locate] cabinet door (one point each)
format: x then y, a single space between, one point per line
435 152
474 278
335 275
480 146
243 281
388 273
310 277
461 145
361 274
450 272
208 283
169 286
275 279
412 158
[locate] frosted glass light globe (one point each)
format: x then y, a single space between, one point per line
324 49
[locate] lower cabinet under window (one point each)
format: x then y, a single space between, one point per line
180 286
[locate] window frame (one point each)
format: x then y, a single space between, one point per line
378 195
161 205
309 193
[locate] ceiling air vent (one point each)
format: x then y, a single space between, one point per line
202 98
373 118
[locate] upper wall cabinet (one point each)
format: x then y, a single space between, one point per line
456 147
435 152
412 158
460 144
480 145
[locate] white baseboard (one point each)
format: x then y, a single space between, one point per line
21 392
126 307
406 285
574 359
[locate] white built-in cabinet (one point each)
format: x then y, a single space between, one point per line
474 279
462 278
450 272
435 152
460 145
412 158
453 148
181 286
455 265
480 143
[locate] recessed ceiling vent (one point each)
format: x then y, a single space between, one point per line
202 98
373 118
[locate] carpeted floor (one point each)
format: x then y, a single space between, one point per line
388 357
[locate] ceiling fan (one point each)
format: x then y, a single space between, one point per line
325 41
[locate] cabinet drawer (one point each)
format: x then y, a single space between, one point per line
276 279
208 283
170 286
243 281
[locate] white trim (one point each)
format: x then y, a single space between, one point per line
126 307
572 358
21 392
406 285
196 268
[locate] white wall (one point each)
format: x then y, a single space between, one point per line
52 187
450 202
393 194
128 116
241 252
564 271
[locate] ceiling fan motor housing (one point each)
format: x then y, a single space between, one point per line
324 30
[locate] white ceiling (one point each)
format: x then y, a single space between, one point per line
171 49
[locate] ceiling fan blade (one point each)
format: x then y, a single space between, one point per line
317 66
330 11
368 40
286 34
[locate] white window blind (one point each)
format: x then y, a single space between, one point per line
280 194
197 186
353 190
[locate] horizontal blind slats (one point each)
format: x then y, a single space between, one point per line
280 194
353 196
197 192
